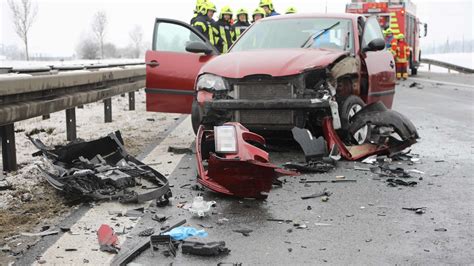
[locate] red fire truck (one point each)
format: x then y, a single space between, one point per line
400 17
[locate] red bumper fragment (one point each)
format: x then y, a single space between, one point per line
246 173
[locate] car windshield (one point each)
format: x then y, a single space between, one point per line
296 33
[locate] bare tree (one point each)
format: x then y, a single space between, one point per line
99 26
24 14
87 49
136 36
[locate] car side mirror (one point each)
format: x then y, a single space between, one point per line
198 47
375 45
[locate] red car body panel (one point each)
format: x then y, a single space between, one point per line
276 63
170 85
246 173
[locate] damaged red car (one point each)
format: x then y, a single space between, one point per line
311 71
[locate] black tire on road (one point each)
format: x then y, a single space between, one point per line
348 107
196 116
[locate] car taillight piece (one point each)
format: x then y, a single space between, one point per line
225 139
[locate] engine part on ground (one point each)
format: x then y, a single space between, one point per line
164 243
201 208
204 249
228 162
101 169
108 240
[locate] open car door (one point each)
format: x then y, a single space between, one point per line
379 62
178 53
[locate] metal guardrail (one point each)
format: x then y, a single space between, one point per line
53 69
449 66
25 96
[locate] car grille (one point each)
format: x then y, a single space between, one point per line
269 91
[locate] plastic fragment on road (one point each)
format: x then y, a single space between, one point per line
183 232
108 240
204 249
165 243
201 208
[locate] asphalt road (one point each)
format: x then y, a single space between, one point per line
364 222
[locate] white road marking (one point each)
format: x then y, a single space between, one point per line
85 241
442 82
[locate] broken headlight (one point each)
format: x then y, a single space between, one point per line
211 82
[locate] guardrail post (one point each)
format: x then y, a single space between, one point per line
7 134
71 124
108 110
429 67
131 101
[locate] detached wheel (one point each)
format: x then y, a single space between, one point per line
348 107
196 116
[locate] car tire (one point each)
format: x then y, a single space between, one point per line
196 116
348 107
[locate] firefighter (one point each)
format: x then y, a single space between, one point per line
291 10
197 10
224 28
390 41
205 24
267 5
401 58
258 14
242 23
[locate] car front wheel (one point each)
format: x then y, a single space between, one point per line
196 116
348 107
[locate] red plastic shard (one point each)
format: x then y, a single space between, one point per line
108 240
246 173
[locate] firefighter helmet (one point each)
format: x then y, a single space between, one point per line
268 3
242 11
400 36
226 11
388 31
199 4
258 11
208 6
290 10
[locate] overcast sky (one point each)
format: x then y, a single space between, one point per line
61 24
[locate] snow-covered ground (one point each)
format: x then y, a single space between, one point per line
460 59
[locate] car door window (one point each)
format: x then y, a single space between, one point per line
170 37
372 31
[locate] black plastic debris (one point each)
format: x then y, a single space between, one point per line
313 148
163 243
398 182
441 230
139 212
204 249
147 232
323 166
325 192
159 217
387 170
101 170
244 232
419 210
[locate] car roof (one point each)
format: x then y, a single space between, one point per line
315 15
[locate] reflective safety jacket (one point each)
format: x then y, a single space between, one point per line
239 28
206 26
403 52
393 46
226 35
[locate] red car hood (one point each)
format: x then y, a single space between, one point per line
277 62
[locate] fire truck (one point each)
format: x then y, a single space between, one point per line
400 17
